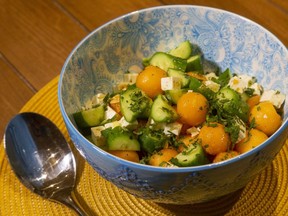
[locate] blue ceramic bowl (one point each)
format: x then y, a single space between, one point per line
226 40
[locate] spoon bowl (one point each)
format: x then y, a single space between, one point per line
42 159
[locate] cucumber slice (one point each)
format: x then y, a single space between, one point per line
118 138
194 63
174 95
166 61
184 50
90 118
194 155
229 94
185 79
231 103
134 103
151 140
162 111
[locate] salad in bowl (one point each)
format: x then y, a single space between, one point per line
175 114
177 104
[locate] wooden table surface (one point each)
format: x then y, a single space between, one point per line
36 36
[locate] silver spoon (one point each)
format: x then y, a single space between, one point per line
42 159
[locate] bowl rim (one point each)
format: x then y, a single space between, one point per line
150 168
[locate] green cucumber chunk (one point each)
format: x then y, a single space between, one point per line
174 95
151 140
134 104
162 111
118 138
90 118
185 79
194 63
231 103
194 155
229 94
166 61
183 50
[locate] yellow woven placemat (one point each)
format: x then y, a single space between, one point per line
267 194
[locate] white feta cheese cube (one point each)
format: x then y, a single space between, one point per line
212 85
130 125
112 124
210 76
170 83
240 83
174 128
258 89
194 131
109 113
96 135
275 97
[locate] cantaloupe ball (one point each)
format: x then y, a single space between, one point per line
265 117
149 80
214 139
254 138
192 108
222 156
162 156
